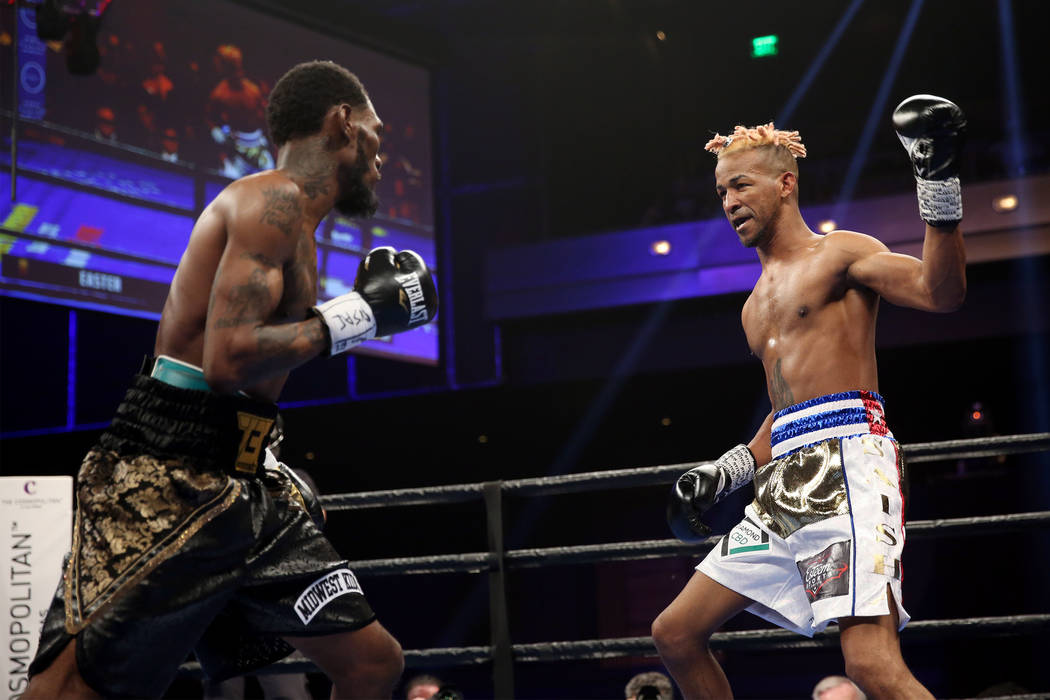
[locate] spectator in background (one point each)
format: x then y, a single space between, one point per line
157 94
837 688
649 686
284 686
1003 689
427 687
422 687
236 112
157 84
106 124
402 185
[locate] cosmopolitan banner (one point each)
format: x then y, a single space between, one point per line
36 524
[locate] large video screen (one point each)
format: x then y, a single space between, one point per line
112 168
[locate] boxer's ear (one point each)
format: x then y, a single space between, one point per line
339 127
346 115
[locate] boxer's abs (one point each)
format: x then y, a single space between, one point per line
834 352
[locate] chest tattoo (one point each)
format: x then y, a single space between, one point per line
779 391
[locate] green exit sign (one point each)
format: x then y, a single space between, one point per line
762 46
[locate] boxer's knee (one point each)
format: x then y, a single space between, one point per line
379 670
876 671
676 637
390 664
367 662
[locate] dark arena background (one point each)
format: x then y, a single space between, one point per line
546 159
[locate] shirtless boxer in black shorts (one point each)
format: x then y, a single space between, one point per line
822 539
189 535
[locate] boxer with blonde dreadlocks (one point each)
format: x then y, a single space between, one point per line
823 537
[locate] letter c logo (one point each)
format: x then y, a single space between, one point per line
30 487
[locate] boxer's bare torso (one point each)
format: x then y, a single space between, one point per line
813 328
811 315
239 304
267 208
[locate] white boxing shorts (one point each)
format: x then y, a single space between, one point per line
823 538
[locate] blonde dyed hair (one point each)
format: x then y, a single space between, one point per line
752 137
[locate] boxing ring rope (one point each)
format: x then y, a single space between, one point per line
503 654
761 639
477 562
970 448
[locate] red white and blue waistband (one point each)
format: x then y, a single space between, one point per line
845 414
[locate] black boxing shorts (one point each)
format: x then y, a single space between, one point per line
183 538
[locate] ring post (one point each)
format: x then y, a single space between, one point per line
502 660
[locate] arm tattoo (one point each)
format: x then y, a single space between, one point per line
282 210
277 341
247 303
779 391
260 258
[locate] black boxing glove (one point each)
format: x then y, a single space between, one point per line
932 130
702 486
398 287
393 292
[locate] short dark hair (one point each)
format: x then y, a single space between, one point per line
652 681
422 679
304 94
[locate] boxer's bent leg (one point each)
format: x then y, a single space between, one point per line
133 644
681 633
133 647
53 672
365 663
298 591
60 679
287 686
871 648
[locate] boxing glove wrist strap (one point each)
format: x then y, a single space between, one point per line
739 465
940 201
349 319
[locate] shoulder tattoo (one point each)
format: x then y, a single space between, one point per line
282 210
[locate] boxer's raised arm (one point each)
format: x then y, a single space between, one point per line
937 282
241 346
932 131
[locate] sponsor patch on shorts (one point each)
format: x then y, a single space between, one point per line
323 591
826 575
745 537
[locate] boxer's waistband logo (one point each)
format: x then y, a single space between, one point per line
254 431
323 591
